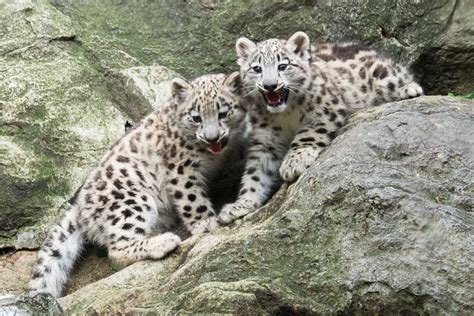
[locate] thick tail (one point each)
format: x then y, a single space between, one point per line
57 256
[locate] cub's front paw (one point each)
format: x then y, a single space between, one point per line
205 226
296 163
231 212
411 90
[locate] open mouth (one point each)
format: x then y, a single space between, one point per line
217 148
276 98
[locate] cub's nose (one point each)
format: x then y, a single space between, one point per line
270 87
211 139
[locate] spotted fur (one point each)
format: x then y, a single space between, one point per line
160 168
300 102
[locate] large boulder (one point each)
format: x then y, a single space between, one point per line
381 223
196 37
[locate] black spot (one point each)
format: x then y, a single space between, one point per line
123 238
321 131
191 197
140 231
187 162
255 178
140 219
243 191
56 253
187 208
118 184
201 208
140 175
62 237
188 184
171 166
123 159
103 199
321 144
332 116
174 181
109 171
335 100
130 202
339 124
252 189
114 206
342 112
36 275
180 170
187 215
138 208
307 139
127 213
118 195
318 100
127 226
332 135
178 194
144 198
363 88
391 86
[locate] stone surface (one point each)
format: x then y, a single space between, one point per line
196 37
15 270
23 305
57 117
72 72
139 90
381 223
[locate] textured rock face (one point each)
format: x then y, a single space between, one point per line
381 223
193 37
56 118
74 71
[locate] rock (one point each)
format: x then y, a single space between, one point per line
24 305
381 223
57 118
195 37
138 91
15 270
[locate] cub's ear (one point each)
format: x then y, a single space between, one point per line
299 45
244 48
234 83
179 88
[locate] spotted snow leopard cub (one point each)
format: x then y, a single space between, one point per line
159 168
300 104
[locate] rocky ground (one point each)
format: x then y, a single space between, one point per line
382 222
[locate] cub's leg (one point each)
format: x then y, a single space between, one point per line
260 177
141 248
131 224
188 191
310 140
392 82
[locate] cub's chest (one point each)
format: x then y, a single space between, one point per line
288 122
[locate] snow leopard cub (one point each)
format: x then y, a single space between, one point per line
299 105
159 168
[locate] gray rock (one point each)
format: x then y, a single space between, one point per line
138 91
381 223
196 37
56 119
23 305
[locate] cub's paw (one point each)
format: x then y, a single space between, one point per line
163 244
411 90
205 226
231 212
295 163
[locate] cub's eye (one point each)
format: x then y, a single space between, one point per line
282 67
222 115
257 69
196 118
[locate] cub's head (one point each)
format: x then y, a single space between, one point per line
209 108
275 68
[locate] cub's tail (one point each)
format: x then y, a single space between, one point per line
57 256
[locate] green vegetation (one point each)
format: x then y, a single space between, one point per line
469 96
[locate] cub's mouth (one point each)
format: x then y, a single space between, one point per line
276 98
218 147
